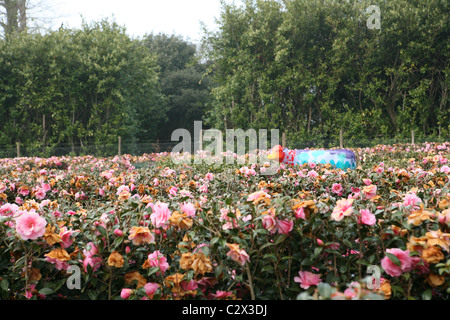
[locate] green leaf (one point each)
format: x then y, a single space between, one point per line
205 250
153 270
102 230
92 294
218 271
4 284
46 291
427 294
268 244
267 268
394 259
317 251
211 243
270 256
279 239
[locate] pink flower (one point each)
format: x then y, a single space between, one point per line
150 288
30 225
353 290
367 182
173 191
256 195
285 226
370 191
125 293
189 285
406 262
238 255
122 188
160 215
204 188
366 217
29 292
8 209
66 237
157 259
445 169
307 279
90 259
356 192
269 223
24 191
59 264
300 213
222 294
379 170
444 216
40 194
411 199
312 174
343 208
188 208
209 176
337 188
118 232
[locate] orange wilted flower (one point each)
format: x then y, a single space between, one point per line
135 276
432 254
140 235
417 216
438 238
115 259
435 280
59 254
197 262
50 237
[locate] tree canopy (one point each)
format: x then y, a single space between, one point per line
313 67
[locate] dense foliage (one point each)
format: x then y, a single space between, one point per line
87 87
313 67
199 231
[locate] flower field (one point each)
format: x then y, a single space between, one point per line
143 227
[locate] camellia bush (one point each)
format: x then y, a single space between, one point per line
143 227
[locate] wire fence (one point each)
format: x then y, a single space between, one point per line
148 147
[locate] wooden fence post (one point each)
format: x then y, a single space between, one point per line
18 149
283 140
341 138
412 136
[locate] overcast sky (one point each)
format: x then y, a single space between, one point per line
180 17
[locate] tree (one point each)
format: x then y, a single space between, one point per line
76 87
182 82
15 16
18 16
313 67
